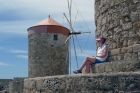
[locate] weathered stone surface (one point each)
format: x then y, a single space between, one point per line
118 1
138 55
136 48
127 26
46 55
127 56
85 83
120 21
125 12
115 51
134 16
16 86
116 66
136 25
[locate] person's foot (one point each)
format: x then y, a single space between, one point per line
77 71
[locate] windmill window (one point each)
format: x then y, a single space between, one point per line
55 37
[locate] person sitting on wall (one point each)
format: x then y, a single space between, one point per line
102 53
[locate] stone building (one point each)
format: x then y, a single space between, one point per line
17 85
119 22
14 85
4 85
48 55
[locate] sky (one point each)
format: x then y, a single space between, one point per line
16 16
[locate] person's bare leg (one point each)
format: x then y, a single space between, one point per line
88 66
88 63
92 59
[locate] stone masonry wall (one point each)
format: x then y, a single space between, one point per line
126 53
119 21
46 55
85 83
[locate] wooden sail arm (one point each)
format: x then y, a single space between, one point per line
75 33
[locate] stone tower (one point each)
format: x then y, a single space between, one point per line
119 22
47 53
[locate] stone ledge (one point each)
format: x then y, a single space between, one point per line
116 66
124 82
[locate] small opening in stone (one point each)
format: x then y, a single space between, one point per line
55 37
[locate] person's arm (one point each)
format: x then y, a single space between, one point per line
105 52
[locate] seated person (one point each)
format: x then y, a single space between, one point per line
102 53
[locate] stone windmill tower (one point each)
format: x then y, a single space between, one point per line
47 53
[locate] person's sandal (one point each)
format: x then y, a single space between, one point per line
77 71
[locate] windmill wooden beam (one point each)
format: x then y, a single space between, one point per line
75 33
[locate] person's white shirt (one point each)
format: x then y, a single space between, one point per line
100 52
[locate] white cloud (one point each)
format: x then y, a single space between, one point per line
18 51
22 56
19 18
4 64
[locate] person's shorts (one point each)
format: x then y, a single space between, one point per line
97 61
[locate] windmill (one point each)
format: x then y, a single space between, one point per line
72 33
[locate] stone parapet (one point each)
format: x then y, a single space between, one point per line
122 82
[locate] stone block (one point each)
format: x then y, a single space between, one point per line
127 56
115 58
134 16
125 33
133 8
120 56
124 12
104 8
108 68
115 52
135 1
127 26
136 25
138 32
132 34
139 55
127 50
136 48
118 1
134 55
138 7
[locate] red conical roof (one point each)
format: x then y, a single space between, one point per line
48 21
48 25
